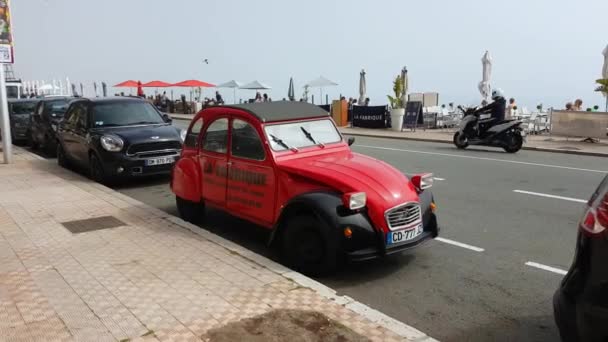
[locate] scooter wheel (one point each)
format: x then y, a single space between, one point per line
460 141
514 142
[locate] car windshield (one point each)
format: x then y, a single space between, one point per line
58 107
125 114
22 107
302 134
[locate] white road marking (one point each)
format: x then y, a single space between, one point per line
483 158
577 200
546 268
459 244
439 179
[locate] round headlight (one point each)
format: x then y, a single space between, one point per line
182 135
112 143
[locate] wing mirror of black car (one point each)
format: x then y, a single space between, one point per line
167 118
351 141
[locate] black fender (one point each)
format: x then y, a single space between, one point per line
328 208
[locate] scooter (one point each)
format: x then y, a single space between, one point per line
475 131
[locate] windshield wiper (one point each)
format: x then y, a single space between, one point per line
282 143
309 137
144 123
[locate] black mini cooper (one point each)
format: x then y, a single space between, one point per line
117 137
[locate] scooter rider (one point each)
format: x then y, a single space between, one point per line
496 108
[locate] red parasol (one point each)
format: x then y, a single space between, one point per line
127 84
193 84
156 84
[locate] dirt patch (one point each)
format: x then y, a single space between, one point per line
285 325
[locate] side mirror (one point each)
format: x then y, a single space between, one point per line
351 141
167 118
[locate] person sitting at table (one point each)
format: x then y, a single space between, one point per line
218 98
366 103
569 106
578 105
258 97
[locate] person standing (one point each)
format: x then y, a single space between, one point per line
511 107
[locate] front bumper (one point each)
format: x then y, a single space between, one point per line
379 248
118 165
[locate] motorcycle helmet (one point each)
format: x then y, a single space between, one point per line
497 93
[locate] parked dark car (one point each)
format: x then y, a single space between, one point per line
118 137
20 111
581 302
45 119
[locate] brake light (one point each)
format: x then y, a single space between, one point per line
422 181
595 220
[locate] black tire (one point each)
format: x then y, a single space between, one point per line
192 212
96 171
32 142
61 157
49 147
514 142
460 141
306 249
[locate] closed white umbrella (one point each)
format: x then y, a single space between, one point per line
484 85
321 83
68 87
406 84
362 86
605 68
291 92
60 85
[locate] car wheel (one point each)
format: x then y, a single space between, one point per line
192 212
32 142
61 157
49 147
96 171
514 142
460 140
305 249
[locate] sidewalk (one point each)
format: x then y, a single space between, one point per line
544 142
131 272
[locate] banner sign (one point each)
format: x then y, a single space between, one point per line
413 115
6 33
369 116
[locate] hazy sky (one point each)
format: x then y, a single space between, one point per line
544 50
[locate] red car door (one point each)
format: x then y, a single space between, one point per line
213 159
251 188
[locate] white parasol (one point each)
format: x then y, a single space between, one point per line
321 83
231 84
484 86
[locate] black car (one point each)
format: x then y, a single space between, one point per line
581 302
20 111
118 137
44 121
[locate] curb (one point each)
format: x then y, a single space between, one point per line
528 148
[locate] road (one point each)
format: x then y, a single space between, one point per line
508 230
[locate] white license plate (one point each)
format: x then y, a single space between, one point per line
403 235
159 161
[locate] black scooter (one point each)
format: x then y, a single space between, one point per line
475 131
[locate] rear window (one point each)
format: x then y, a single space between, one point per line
57 107
22 107
126 113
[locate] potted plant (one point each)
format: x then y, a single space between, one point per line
397 105
603 88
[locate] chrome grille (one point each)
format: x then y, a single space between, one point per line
404 216
154 146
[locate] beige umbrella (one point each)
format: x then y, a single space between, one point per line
484 85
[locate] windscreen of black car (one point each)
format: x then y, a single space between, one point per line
22 107
57 108
125 114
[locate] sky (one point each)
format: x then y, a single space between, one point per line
544 51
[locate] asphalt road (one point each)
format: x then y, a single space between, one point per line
475 286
